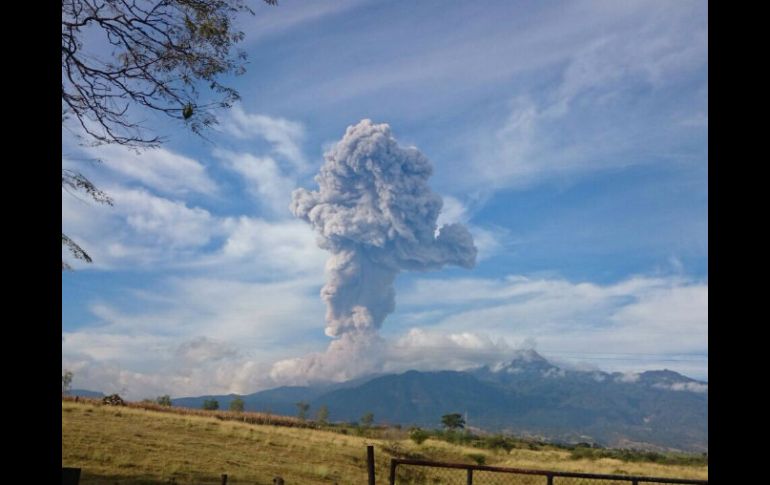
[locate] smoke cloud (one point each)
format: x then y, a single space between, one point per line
376 215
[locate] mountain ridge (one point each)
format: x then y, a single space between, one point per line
525 395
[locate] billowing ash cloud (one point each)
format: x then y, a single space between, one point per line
377 216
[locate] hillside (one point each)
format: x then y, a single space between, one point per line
526 395
132 446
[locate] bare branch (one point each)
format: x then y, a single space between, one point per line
76 250
164 51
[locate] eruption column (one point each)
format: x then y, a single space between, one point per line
376 215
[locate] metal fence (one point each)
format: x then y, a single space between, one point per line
403 472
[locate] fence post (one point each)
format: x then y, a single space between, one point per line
392 471
550 479
70 476
224 479
470 476
370 463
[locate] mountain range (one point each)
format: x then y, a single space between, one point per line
525 396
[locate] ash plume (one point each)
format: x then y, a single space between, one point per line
376 215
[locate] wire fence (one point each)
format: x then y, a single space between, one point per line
407 472
402 472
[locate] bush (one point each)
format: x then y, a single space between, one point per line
627 455
582 452
113 400
210 404
164 400
478 458
499 441
418 435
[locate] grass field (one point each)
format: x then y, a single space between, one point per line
131 445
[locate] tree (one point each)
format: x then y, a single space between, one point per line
453 421
322 416
162 53
302 409
237 405
367 419
66 381
164 400
210 404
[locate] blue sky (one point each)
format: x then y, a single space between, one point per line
570 137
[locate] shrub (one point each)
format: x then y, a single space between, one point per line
418 435
582 452
499 441
113 400
210 404
477 457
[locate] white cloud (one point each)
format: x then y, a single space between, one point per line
204 349
659 319
248 334
488 240
160 169
452 211
517 42
141 229
353 356
264 179
115 344
628 377
286 136
280 249
601 114
145 230
168 376
239 328
553 372
257 313
697 387
271 21
435 350
163 222
655 52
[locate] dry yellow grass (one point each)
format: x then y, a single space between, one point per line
246 417
129 445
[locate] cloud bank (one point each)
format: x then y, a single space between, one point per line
203 336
